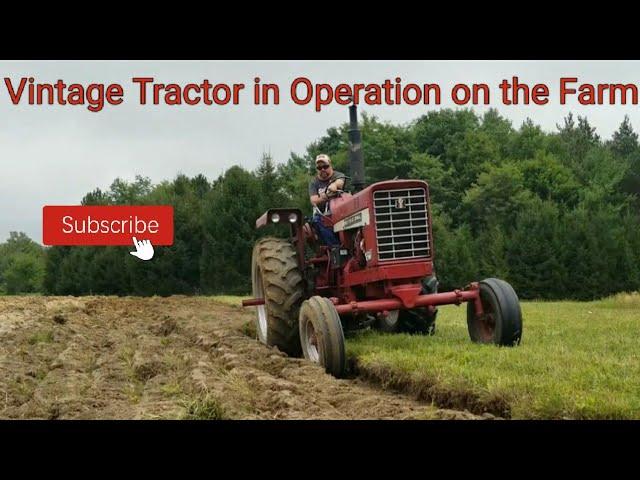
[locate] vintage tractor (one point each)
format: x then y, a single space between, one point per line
381 275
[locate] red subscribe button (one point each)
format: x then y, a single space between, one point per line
107 225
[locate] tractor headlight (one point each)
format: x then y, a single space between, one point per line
275 218
293 218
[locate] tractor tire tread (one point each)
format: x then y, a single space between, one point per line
283 291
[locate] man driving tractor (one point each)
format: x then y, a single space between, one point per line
326 185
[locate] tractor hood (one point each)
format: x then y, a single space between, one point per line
347 205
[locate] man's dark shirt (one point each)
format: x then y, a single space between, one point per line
317 186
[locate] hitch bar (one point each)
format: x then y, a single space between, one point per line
253 302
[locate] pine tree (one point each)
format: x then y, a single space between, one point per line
531 252
625 141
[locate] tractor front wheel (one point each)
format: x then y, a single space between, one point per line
501 321
321 335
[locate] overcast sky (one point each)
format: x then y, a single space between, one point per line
53 155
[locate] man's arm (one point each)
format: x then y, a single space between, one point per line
332 188
336 185
316 199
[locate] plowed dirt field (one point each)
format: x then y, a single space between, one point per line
175 357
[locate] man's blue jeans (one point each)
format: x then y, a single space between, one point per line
326 234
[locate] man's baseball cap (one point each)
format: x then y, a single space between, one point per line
323 159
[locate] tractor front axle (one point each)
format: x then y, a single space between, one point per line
455 297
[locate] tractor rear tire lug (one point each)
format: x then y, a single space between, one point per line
276 277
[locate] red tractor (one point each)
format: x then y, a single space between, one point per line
381 274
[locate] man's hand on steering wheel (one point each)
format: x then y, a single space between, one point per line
332 190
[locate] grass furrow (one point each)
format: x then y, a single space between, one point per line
577 360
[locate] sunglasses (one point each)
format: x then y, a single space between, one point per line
322 167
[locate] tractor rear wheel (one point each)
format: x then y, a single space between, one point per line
420 321
389 323
501 322
321 335
276 277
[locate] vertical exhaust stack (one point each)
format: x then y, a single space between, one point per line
356 159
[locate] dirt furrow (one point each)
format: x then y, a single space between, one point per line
175 357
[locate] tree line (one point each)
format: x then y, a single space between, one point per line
557 214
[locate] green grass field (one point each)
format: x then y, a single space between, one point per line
576 360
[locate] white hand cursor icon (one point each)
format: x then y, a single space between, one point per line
144 249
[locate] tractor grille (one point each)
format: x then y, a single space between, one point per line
402 227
